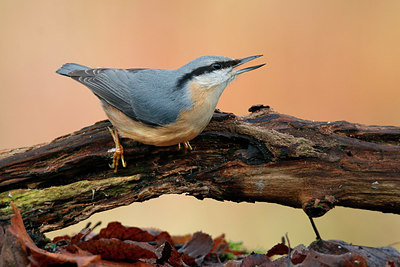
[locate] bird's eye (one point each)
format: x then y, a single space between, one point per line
216 66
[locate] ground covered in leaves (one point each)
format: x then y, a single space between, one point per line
118 245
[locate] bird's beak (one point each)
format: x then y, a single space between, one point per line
244 60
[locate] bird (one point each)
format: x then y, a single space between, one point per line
159 107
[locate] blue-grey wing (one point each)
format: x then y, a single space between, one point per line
131 91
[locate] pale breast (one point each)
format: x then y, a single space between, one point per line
188 125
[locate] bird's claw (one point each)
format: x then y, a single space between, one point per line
186 145
119 151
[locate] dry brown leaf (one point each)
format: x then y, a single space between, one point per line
181 239
256 260
196 248
339 253
40 257
148 248
13 252
2 236
220 245
170 255
114 249
278 249
117 230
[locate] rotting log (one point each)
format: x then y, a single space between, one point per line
263 156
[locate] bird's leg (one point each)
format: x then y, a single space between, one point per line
119 151
186 145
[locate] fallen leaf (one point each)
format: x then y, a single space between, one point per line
317 259
169 255
278 249
298 254
196 248
117 245
256 260
2 236
118 231
114 249
13 252
220 245
340 252
61 238
181 239
40 257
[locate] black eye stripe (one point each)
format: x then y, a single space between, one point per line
216 66
228 64
205 69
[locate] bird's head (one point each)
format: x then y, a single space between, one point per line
213 71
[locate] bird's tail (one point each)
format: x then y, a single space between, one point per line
69 67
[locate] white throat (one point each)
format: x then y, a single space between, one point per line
220 78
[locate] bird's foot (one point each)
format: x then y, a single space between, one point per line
186 145
119 151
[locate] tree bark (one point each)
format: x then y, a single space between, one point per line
264 156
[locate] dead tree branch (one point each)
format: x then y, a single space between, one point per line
264 156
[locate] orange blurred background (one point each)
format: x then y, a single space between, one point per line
326 60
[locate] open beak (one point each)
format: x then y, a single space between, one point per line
247 59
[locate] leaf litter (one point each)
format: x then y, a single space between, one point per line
118 245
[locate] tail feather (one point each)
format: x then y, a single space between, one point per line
69 67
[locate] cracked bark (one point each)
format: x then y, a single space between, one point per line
264 156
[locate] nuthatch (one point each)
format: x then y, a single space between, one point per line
157 106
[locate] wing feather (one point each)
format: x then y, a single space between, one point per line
113 87
145 95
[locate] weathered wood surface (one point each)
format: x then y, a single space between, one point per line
264 156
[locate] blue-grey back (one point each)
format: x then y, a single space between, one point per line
155 97
146 95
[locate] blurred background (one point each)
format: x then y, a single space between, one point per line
326 60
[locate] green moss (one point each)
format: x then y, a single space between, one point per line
223 257
28 199
236 246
